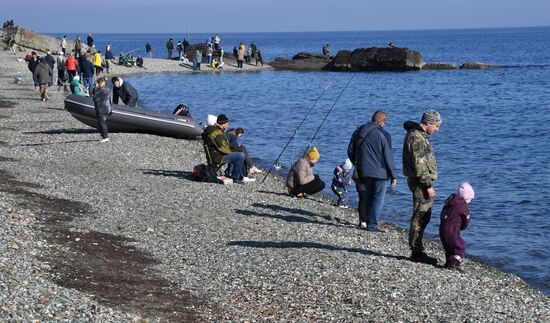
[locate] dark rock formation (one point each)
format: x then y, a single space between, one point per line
28 39
377 59
302 61
476 66
439 66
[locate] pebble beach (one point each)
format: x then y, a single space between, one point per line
118 232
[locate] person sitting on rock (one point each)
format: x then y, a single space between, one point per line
300 180
124 91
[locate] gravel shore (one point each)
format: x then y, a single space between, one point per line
117 231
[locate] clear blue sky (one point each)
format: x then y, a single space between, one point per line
270 15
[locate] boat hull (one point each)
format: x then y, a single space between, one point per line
134 119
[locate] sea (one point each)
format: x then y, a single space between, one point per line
495 132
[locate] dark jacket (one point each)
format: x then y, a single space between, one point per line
87 68
50 60
126 92
455 216
418 155
232 139
101 100
43 73
370 151
216 141
32 64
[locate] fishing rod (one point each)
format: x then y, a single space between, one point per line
296 129
326 116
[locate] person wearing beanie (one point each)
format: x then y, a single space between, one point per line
420 168
370 150
124 91
300 180
219 152
341 179
455 217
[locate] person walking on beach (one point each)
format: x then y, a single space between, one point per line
32 63
61 71
169 47
420 168
72 65
455 217
90 41
64 45
371 152
87 69
149 50
124 91
43 76
300 180
102 107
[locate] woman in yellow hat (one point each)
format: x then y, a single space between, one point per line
300 180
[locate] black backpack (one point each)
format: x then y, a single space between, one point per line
205 173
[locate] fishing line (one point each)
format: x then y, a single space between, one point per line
327 87
328 113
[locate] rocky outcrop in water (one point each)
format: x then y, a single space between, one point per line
376 59
302 61
476 66
28 39
439 66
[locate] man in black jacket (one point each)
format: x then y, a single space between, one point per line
125 91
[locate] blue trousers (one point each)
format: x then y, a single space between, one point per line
234 163
371 199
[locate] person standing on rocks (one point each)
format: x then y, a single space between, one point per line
371 153
124 91
64 45
102 107
90 41
259 58
72 66
77 47
185 45
43 75
240 58
170 47
149 50
326 50
420 168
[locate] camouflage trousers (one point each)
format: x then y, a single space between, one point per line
422 213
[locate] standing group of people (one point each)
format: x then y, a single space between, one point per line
243 54
370 152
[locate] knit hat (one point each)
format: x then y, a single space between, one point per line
222 119
466 191
313 154
431 117
211 120
347 164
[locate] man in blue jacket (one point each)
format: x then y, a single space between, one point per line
370 151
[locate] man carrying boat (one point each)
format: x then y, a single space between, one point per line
124 91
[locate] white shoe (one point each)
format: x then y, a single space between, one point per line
363 225
248 179
104 140
255 170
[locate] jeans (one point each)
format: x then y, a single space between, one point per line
371 199
247 161
234 163
89 84
102 122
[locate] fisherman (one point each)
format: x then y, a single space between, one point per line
326 50
149 50
300 180
124 91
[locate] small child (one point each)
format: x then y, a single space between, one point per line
340 182
455 216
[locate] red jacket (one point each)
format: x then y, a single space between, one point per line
71 64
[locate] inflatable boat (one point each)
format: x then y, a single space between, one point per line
134 119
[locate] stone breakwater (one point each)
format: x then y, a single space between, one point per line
118 232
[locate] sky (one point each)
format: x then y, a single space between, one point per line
158 16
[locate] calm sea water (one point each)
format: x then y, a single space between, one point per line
495 132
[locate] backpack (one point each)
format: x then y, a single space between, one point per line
205 173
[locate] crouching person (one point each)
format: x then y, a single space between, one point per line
300 180
455 217
102 106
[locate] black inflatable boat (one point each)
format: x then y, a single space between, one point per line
134 119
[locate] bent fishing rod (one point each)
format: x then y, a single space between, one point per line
328 113
296 130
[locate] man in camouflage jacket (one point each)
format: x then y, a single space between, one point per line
420 167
